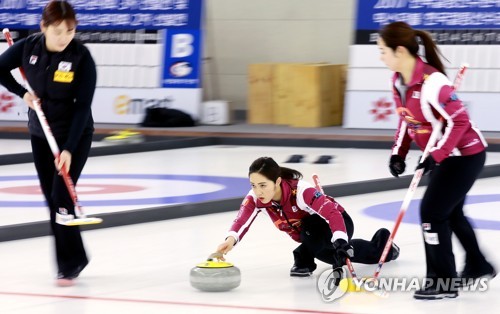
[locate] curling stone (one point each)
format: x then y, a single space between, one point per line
215 276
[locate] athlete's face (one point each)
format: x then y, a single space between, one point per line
264 188
388 56
58 36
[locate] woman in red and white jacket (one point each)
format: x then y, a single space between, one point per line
315 220
425 99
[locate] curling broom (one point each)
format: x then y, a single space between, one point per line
67 220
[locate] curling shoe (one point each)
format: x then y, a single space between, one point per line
296 271
64 281
68 279
471 274
433 293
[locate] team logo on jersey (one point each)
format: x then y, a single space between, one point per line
295 209
416 95
402 111
64 66
471 143
245 202
316 195
33 59
406 114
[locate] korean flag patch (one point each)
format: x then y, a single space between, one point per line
64 66
316 195
33 59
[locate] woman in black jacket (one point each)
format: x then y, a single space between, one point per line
62 74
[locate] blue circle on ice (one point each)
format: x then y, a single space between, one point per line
389 211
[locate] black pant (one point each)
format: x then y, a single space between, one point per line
441 213
316 240
70 252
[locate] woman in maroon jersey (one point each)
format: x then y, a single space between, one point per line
425 100
315 220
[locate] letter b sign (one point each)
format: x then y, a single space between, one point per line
182 45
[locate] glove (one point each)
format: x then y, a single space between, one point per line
428 165
343 250
397 165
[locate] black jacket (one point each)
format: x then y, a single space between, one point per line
64 81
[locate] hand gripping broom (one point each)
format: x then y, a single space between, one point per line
67 220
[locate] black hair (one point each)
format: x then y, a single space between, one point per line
401 34
267 167
57 11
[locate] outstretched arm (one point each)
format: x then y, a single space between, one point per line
241 224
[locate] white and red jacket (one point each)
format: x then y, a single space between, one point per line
427 98
298 200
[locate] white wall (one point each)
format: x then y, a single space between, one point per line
127 65
242 32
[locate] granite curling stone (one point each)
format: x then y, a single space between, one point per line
215 276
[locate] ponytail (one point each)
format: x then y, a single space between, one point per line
402 34
290 174
431 51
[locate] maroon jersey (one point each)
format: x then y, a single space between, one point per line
428 98
299 199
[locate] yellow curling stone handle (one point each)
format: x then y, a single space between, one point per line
214 264
214 261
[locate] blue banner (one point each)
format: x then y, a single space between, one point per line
429 14
182 59
109 14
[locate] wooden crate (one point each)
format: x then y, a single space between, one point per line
296 94
260 96
282 92
317 95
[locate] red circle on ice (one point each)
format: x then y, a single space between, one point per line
81 189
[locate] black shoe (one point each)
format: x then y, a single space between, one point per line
395 251
432 293
74 273
301 271
470 274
